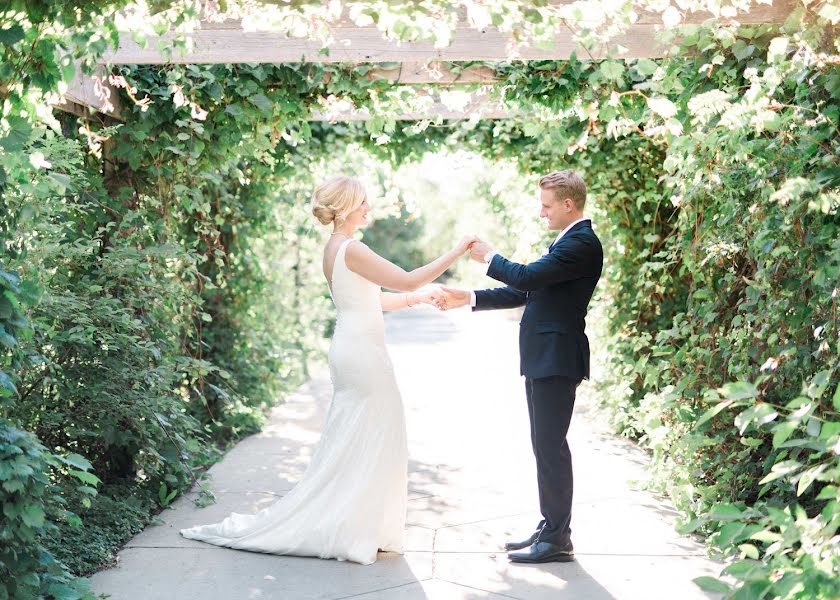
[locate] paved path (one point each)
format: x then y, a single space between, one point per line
472 485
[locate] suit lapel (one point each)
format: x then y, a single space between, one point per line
584 223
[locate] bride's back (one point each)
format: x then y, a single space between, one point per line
350 291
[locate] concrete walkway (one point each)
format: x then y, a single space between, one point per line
472 485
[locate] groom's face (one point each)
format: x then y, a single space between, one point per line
553 210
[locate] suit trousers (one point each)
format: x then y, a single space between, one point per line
550 404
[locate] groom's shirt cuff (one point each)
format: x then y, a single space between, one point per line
472 293
492 254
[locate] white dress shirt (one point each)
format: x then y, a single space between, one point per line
488 258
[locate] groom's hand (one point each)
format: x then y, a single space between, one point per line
453 298
478 250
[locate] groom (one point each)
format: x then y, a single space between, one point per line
553 348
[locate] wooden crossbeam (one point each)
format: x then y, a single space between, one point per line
420 73
86 93
365 44
227 42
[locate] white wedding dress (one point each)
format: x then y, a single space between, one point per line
352 498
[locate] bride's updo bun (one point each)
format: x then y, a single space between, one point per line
336 198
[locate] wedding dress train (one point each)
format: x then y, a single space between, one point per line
352 498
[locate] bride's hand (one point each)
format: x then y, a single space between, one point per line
430 296
466 243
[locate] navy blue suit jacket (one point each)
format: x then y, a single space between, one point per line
555 291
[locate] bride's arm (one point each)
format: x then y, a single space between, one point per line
392 301
367 263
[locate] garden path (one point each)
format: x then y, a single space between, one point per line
472 485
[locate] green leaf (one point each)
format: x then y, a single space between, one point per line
261 102
12 279
60 591
782 431
766 536
780 469
729 533
829 492
725 512
818 383
11 35
9 341
738 390
76 460
18 135
761 413
532 128
712 412
6 382
743 569
829 430
749 551
13 485
63 179
836 399
33 515
711 584
808 477
646 67
612 70
692 525
742 50
84 477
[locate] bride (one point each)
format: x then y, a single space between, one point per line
352 498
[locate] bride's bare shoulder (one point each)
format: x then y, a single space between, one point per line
358 255
357 248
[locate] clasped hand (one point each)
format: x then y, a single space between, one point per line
473 244
447 298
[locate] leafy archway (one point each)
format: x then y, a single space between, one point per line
135 305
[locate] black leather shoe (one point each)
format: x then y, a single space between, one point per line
524 544
543 552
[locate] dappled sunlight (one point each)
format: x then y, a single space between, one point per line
472 487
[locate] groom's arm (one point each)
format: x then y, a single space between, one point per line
572 259
504 297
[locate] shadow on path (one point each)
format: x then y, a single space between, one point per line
472 486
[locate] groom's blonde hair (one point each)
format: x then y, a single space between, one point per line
336 198
565 184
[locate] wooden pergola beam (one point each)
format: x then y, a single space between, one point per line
227 42
365 44
422 73
84 95
91 93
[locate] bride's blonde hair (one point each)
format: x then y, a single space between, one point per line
336 198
